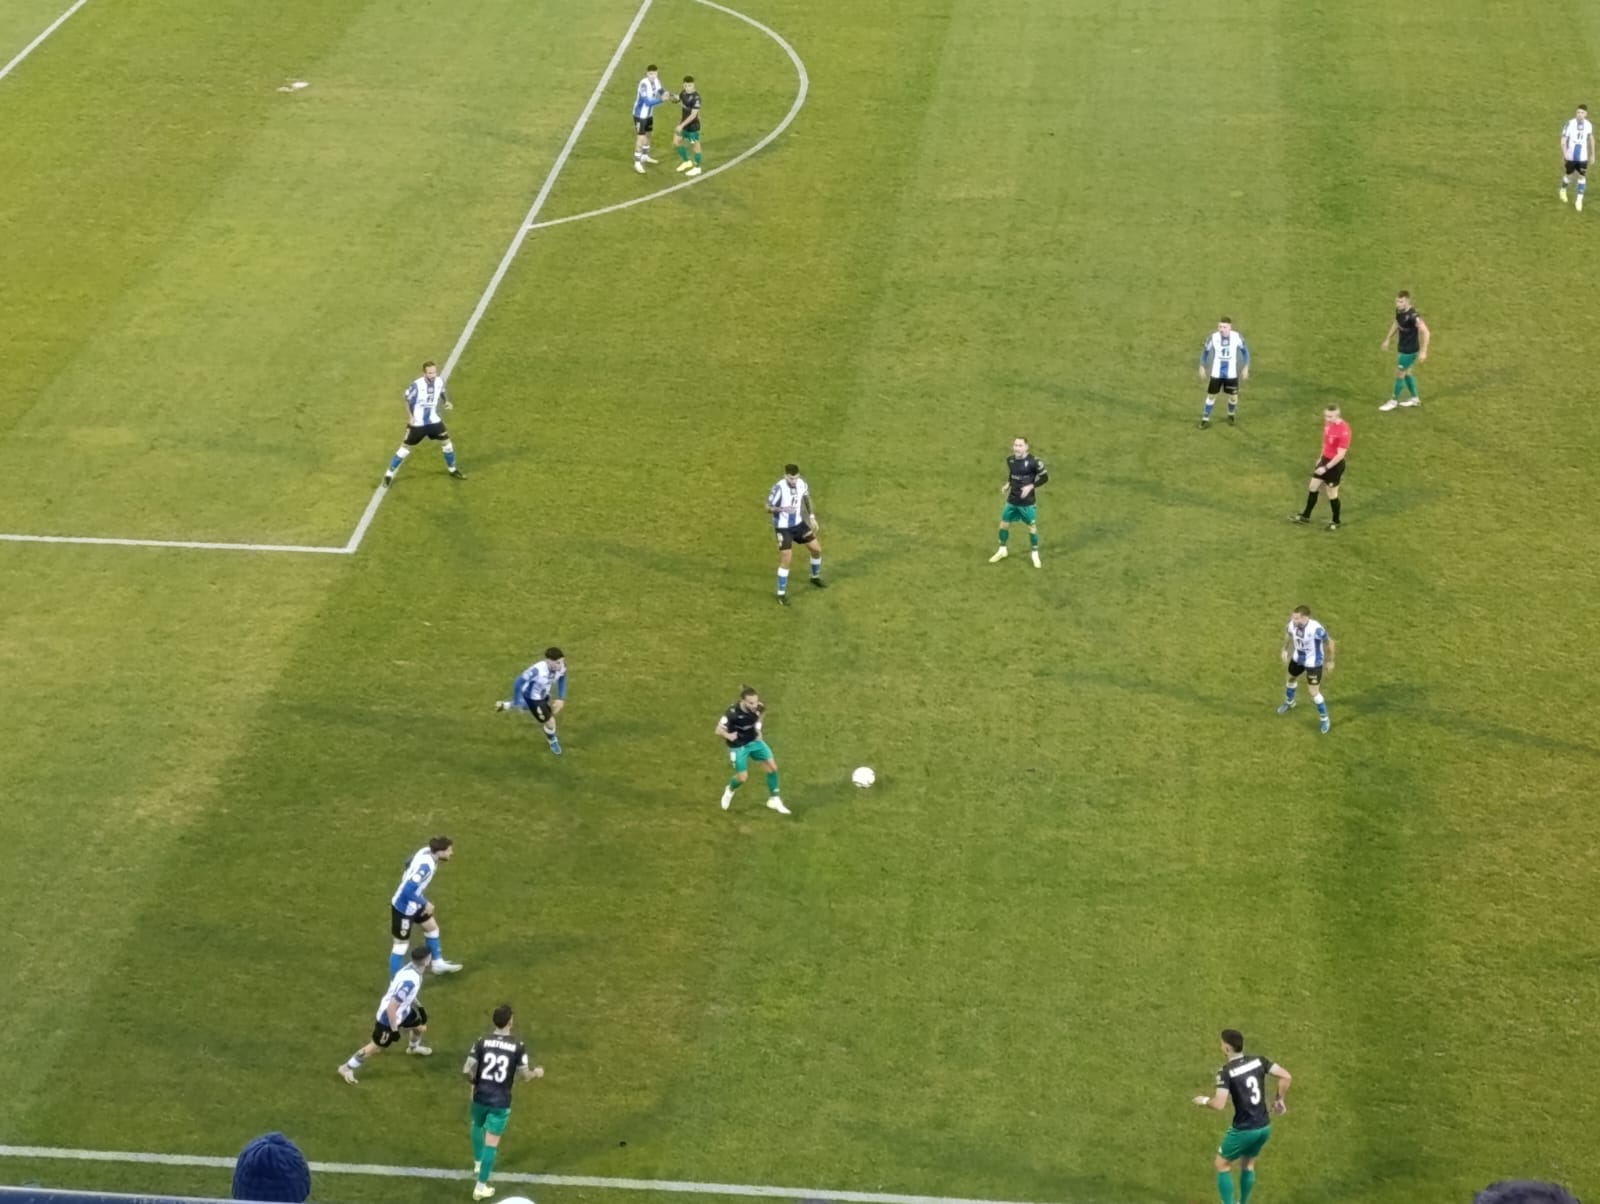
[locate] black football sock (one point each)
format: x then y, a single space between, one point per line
1334 503
1311 504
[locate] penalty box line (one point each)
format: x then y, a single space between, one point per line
812 1195
524 228
517 240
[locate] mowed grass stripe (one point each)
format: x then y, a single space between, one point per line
329 253
1092 843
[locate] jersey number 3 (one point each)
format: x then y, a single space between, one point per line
1251 1084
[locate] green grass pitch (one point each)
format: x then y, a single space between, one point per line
998 974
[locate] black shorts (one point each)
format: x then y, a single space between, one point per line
789 536
540 709
1220 385
383 1036
433 430
1313 672
1333 475
1576 168
643 125
400 926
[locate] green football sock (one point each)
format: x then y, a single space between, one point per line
1033 538
477 1143
697 158
772 782
1005 534
1411 384
1225 1186
1247 1184
683 153
734 783
489 1152
1398 385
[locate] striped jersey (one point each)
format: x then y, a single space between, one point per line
539 679
650 94
425 398
790 500
410 898
1575 138
1310 643
404 988
1224 354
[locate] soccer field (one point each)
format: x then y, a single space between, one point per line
1000 973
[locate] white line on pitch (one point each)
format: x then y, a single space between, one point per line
673 1186
38 41
203 545
788 120
478 311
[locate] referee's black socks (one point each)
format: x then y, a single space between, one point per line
1334 503
1311 504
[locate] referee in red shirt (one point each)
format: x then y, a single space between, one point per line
1330 467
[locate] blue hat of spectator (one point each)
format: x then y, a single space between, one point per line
272 1168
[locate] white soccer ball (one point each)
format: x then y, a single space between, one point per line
516 1200
863 777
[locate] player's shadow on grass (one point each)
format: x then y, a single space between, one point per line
1404 700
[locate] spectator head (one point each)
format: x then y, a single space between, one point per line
272 1168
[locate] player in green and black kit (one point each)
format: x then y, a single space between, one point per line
1025 472
740 727
495 1063
1414 338
1242 1080
687 136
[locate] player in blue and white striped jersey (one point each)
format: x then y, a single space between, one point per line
426 401
410 906
1308 649
1577 152
399 1011
1226 360
541 690
652 92
794 522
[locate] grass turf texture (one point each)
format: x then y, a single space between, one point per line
1092 844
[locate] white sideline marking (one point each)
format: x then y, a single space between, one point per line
523 230
202 545
788 120
38 41
530 223
678 1187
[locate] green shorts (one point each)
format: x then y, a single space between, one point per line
1407 358
741 757
1244 1143
492 1119
1019 514
689 135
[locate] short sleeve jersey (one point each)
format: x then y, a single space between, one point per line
1406 319
1245 1081
1575 137
498 1059
745 725
1335 438
691 109
1025 470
